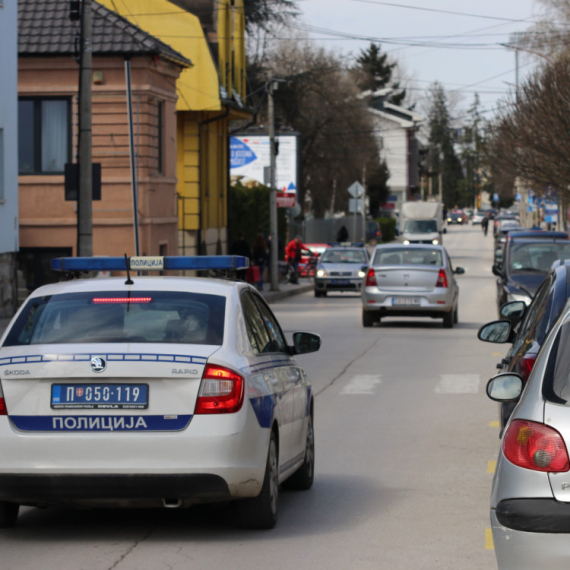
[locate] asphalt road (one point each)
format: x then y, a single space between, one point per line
405 443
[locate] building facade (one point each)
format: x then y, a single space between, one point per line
48 111
8 156
211 33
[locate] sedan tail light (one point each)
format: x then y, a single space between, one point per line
221 391
371 278
535 446
441 279
3 408
526 364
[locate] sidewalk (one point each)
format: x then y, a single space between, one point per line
286 290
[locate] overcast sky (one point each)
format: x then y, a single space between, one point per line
486 68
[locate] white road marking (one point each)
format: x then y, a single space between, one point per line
362 384
458 384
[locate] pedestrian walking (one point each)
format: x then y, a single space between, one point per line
260 257
342 234
241 247
485 224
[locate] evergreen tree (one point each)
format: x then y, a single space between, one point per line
442 153
377 71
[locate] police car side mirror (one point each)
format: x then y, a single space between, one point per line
304 342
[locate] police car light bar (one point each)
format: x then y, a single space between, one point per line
197 263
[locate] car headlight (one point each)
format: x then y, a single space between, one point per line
435 242
406 242
450 219
519 297
321 272
361 273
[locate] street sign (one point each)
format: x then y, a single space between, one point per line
354 206
286 200
356 189
495 197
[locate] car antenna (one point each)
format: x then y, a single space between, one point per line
129 281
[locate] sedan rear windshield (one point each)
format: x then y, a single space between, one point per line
536 257
408 256
120 317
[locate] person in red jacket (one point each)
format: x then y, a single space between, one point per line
293 253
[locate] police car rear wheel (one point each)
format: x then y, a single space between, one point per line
261 511
302 479
8 514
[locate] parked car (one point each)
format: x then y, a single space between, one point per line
531 325
477 218
373 233
530 497
410 281
526 260
498 218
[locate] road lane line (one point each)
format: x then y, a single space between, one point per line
491 466
489 544
362 384
495 423
496 354
458 384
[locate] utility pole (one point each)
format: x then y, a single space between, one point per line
85 193
364 204
274 274
440 189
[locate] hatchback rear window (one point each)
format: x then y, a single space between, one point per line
556 385
408 256
121 317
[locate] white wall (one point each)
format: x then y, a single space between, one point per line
394 142
9 124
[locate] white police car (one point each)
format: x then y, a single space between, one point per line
154 391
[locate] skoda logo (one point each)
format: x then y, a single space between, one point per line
98 364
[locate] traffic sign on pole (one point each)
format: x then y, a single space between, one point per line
356 189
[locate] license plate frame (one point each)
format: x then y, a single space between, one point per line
406 301
112 403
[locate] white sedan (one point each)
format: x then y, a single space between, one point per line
165 391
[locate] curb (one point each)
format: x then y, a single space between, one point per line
276 296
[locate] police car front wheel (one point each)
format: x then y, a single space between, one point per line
8 514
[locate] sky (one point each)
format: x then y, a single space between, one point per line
485 67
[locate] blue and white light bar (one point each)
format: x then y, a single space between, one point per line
197 263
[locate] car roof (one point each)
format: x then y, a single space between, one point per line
408 246
539 234
205 285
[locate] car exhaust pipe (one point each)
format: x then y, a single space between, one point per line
172 503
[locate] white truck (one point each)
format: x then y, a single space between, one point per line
421 222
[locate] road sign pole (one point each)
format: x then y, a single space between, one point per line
272 191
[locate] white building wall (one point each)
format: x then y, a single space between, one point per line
9 149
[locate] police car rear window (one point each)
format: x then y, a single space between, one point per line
121 317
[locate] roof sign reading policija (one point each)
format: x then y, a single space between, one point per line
249 158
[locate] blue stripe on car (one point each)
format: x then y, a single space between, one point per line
264 408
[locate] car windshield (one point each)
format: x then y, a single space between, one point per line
120 317
408 256
420 226
344 256
536 257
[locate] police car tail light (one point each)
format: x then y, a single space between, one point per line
221 391
3 409
535 446
441 279
371 278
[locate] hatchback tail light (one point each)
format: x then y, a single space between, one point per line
535 446
526 364
221 391
371 278
441 279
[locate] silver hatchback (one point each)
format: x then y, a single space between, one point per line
410 281
530 500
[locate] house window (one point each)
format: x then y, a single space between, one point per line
44 141
2 170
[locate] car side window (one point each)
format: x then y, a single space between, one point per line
275 333
256 329
535 310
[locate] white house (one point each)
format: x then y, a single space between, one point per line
8 154
395 129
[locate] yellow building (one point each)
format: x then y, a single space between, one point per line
211 94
